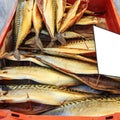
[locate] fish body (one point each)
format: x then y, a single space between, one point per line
44 94
25 58
47 9
28 108
61 6
70 15
73 15
71 35
114 78
100 82
80 44
37 19
68 54
23 21
69 65
75 51
37 23
39 74
98 106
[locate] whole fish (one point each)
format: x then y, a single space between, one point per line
87 20
23 23
80 44
95 106
47 9
39 74
69 65
44 94
37 23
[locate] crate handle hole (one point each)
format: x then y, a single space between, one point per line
15 115
109 118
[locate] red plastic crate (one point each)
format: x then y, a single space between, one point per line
113 23
8 115
111 14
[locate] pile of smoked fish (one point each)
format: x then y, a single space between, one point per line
51 67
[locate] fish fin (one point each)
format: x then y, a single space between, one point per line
38 42
17 54
61 39
52 42
32 30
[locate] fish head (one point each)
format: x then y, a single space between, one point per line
7 73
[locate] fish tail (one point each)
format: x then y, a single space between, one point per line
52 42
38 42
17 54
61 39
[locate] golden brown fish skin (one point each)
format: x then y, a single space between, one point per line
47 9
80 44
38 74
37 23
22 24
23 21
71 34
69 55
29 58
75 51
37 18
72 16
40 94
87 20
99 82
95 106
61 6
69 65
